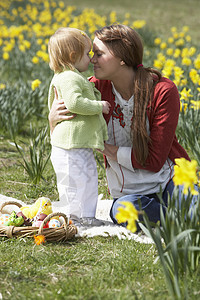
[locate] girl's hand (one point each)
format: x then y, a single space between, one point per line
58 112
106 107
110 151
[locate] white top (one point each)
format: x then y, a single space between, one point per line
122 178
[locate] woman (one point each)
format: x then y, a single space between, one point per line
142 121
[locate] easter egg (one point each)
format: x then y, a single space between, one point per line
38 223
53 223
41 217
4 218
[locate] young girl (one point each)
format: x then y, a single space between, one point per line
72 141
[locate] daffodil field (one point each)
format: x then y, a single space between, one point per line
25 29
25 169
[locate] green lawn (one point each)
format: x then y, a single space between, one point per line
97 268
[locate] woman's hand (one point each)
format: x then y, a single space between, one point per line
58 112
110 151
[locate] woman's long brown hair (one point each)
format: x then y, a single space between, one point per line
125 43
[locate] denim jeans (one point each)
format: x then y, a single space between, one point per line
148 203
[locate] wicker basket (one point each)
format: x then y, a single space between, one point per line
59 234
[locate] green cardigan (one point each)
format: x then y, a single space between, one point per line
88 129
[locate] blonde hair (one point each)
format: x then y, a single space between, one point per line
66 46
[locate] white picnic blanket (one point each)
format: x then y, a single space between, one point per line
102 213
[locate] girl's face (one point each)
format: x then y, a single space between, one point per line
106 65
82 64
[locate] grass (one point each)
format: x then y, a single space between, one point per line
98 268
160 15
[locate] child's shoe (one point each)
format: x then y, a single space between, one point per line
91 221
75 220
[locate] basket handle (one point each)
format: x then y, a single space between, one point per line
12 202
51 216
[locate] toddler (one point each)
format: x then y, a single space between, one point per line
73 140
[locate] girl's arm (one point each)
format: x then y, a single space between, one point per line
76 93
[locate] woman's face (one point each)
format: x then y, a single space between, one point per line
106 65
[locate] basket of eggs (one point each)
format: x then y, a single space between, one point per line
37 220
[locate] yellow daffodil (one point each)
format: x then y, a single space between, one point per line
177 53
197 62
185 52
188 38
194 76
184 82
6 56
139 24
170 62
39 239
185 173
158 64
186 61
175 35
192 51
173 29
185 28
195 104
185 94
36 83
128 213
27 44
167 72
183 106
178 72
180 42
170 40
35 60
61 4
157 41
113 17
181 34
169 51
39 41
177 81
178 75
22 48
43 47
163 45
2 86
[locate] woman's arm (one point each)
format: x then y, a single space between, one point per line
163 125
110 151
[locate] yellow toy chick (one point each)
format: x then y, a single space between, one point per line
41 205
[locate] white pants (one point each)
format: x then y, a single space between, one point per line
77 181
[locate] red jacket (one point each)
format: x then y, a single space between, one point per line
163 114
